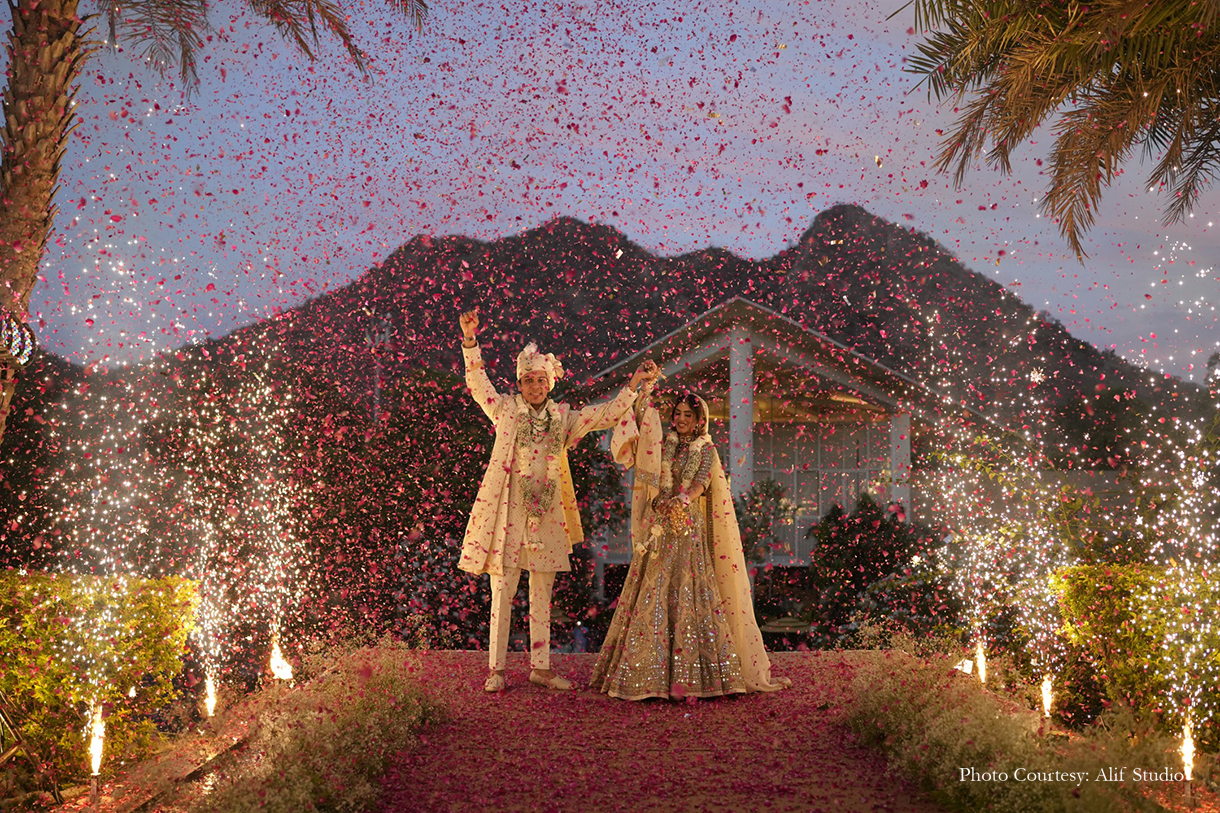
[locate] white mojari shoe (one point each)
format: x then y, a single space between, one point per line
495 682
553 682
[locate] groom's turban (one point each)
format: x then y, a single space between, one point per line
530 360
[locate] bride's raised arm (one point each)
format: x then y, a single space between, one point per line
642 421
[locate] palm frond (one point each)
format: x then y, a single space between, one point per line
1079 171
930 14
299 20
163 34
1111 75
416 10
1195 172
965 142
169 32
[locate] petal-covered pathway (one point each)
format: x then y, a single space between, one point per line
531 749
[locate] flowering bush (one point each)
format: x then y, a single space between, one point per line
327 742
45 619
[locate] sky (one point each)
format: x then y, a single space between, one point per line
727 123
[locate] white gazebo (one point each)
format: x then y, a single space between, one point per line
792 405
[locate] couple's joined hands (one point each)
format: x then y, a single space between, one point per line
645 377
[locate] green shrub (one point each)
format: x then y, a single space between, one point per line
935 722
139 629
327 742
870 546
1182 610
1104 620
781 592
877 632
760 513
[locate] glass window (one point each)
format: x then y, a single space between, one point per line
833 492
878 445
782 439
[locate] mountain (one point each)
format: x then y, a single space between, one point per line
590 295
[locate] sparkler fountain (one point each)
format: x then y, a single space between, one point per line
203 494
281 668
1003 504
97 736
104 498
1188 758
1185 598
209 699
277 494
242 501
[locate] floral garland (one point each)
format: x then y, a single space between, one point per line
694 457
540 496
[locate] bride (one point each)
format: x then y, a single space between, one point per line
684 625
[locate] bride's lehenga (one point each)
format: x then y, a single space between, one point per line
670 636
684 625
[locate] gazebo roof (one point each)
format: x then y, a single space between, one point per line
784 346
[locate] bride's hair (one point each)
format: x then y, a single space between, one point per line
694 402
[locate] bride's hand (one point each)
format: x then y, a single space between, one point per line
674 505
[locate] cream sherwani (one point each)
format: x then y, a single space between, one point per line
498 534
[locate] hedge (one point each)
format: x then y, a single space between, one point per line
1102 616
56 630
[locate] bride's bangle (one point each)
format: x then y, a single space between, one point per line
684 498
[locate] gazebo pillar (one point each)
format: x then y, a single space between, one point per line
900 461
741 410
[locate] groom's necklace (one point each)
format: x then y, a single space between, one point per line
539 425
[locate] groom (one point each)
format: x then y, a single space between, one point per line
525 516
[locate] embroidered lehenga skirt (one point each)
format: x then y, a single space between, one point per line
669 637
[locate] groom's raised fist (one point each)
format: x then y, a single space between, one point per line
470 325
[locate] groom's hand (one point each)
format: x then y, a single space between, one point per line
470 327
647 371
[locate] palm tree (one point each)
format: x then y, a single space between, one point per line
47 49
1110 74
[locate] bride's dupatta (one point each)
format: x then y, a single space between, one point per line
637 442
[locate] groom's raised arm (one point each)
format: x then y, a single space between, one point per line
481 388
607 414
